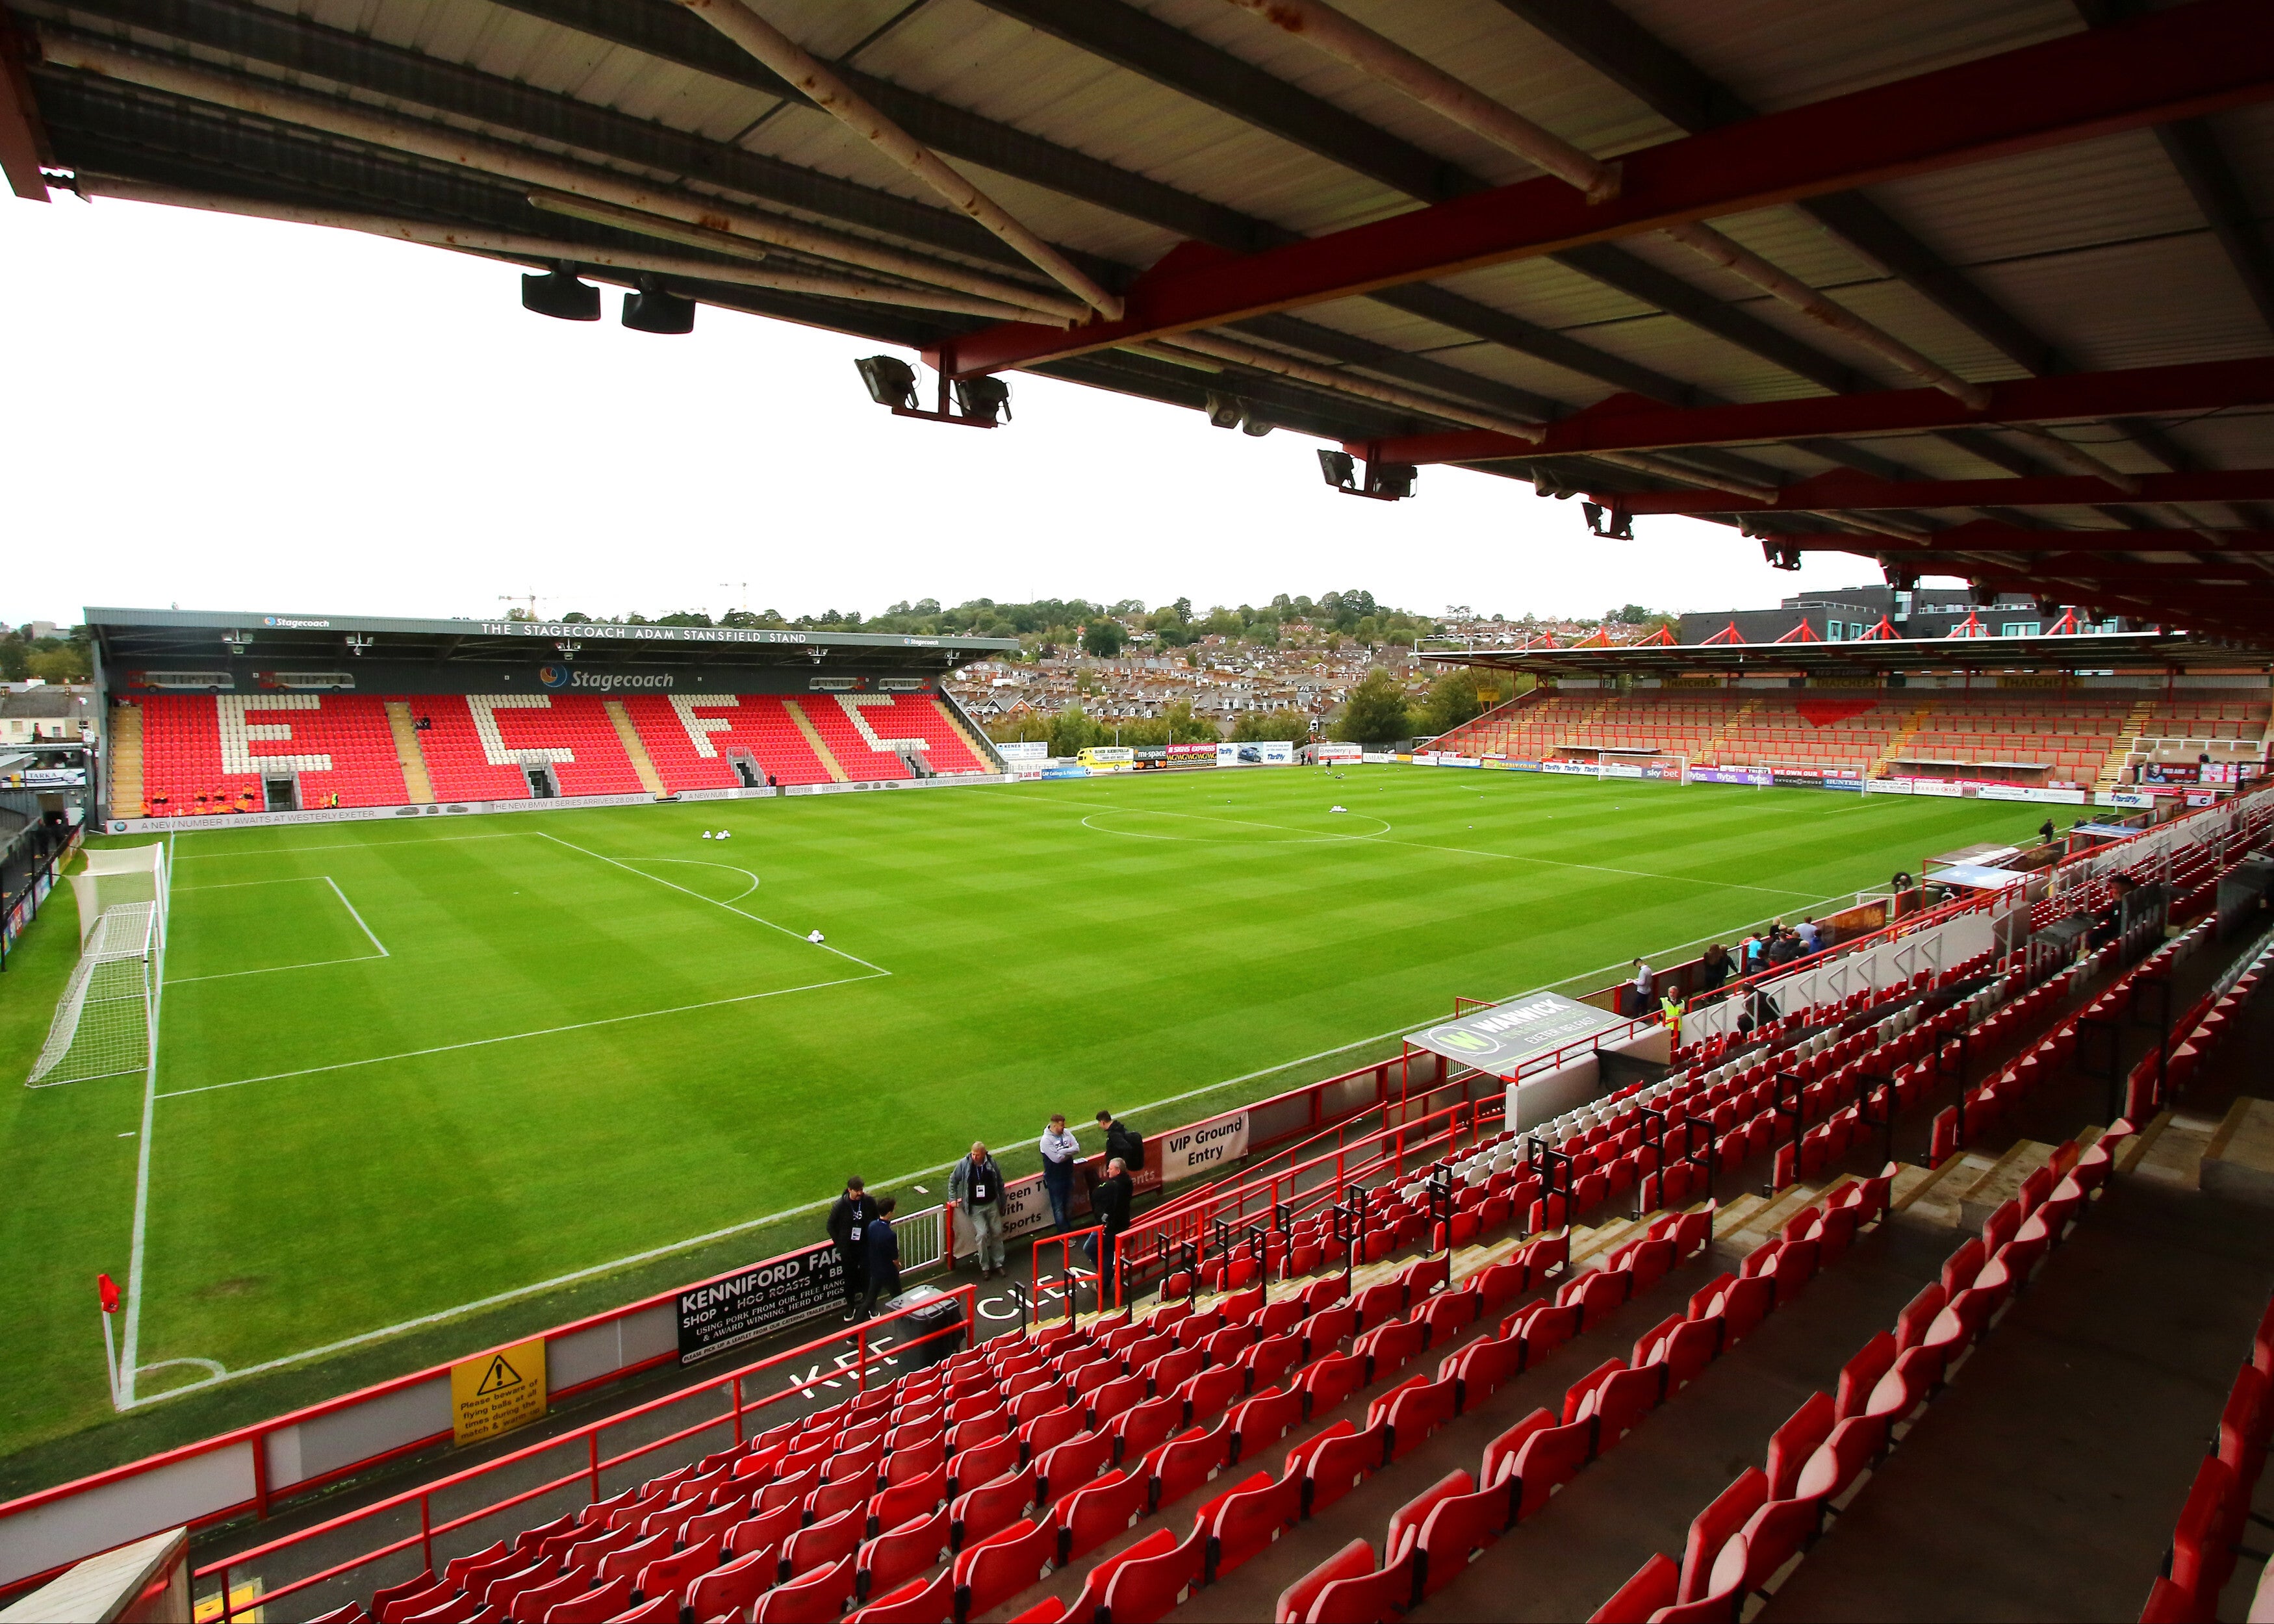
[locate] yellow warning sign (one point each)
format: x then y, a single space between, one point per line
495 1393
241 1607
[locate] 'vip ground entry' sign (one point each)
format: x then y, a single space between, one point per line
1503 1037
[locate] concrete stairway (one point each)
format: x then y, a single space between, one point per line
628 735
408 754
126 793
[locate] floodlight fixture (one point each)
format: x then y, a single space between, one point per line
236 643
1982 594
1254 424
651 310
1778 557
1391 481
567 648
357 642
559 293
2047 608
1339 468
1225 410
983 399
892 381
1614 521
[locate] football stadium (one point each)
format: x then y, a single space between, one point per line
442 1042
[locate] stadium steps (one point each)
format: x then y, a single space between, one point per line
815 741
1705 751
126 798
2123 745
1900 743
965 730
650 779
407 753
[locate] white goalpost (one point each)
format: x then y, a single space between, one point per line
103 1023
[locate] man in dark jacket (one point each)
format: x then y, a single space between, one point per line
883 1257
1111 1202
1122 1141
848 1221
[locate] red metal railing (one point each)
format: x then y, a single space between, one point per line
583 1441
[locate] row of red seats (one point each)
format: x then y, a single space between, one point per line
1417 1310
2209 1534
1433 1538
1741 1543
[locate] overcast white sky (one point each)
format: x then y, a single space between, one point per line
235 414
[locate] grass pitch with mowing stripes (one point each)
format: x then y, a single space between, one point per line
406 1067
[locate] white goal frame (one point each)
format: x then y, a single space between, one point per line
103 1023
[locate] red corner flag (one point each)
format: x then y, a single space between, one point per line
107 1288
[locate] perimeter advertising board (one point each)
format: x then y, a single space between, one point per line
1501 1038
748 1304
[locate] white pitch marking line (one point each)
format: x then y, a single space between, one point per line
138 1250
312 964
353 914
354 846
696 862
699 897
515 1037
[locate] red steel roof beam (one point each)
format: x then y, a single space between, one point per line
1989 537
2147 391
23 140
2193 59
1844 492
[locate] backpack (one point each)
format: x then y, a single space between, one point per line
1135 1154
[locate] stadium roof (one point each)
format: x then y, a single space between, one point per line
1988 292
139 636
2103 651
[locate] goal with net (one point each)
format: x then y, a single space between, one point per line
103 1024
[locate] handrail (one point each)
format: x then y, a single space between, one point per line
589 1434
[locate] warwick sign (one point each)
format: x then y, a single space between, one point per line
1500 1039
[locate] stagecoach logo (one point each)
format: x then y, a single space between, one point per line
556 677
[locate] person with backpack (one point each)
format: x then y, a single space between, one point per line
1122 1142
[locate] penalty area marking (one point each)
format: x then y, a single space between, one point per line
698 863
312 964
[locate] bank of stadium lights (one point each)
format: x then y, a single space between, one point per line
356 644
980 403
1229 411
236 643
568 648
565 297
1384 482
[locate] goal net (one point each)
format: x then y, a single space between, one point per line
103 1023
125 875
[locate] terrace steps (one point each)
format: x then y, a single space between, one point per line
126 796
408 754
2128 743
628 736
815 743
1904 734
1706 753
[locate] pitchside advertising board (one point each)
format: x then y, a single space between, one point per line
748 1304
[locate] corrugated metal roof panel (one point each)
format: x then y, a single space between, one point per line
2149 304
1779 53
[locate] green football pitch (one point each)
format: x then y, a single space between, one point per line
407 1069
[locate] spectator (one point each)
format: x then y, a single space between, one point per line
1784 946
884 1259
2046 830
848 1221
1639 1000
1753 950
1902 882
1111 1199
1124 1142
1812 936
1059 1149
2109 923
1713 968
976 1186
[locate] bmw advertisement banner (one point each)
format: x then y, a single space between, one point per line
1503 1037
